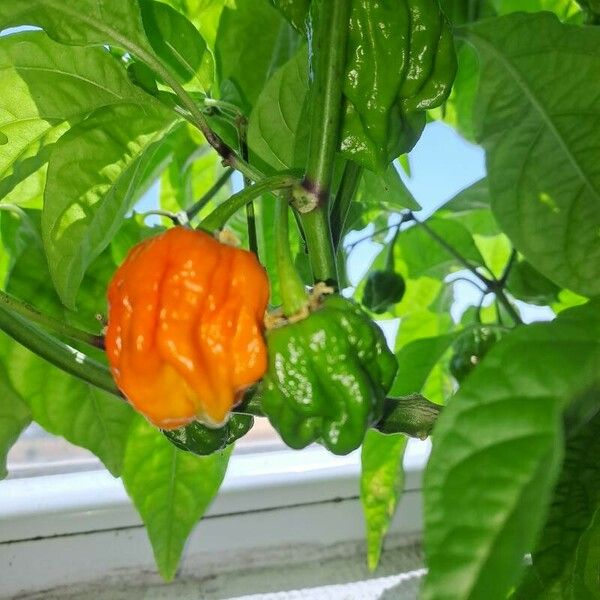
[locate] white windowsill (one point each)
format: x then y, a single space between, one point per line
80 527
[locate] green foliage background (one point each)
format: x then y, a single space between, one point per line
91 116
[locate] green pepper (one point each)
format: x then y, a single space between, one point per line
426 23
199 439
376 62
437 86
400 62
470 348
384 113
327 377
382 290
295 11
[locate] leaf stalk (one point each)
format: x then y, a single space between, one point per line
327 51
218 217
53 325
293 293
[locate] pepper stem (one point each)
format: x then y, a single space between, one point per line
328 56
412 415
390 260
218 217
343 199
293 294
193 210
317 233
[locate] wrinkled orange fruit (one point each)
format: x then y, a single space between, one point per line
185 327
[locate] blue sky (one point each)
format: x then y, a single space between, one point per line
442 163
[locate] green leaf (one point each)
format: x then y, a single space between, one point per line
564 553
191 172
46 86
495 251
465 11
537 113
585 577
416 360
65 406
473 200
425 256
131 232
277 131
23 185
564 9
471 208
458 109
118 23
204 14
497 453
177 43
85 200
61 404
384 191
170 488
382 476
14 418
89 22
295 11
252 42
381 482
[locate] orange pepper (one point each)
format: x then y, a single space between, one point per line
185 327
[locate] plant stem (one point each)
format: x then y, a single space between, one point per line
210 194
58 327
327 51
293 294
317 234
451 250
412 415
56 352
194 113
327 55
498 312
218 217
25 220
226 107
343 200
366 238
176 218
390 259
250 213
467 280
497 287
509 265
251 224
507 304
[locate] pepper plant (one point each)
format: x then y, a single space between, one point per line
285 126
